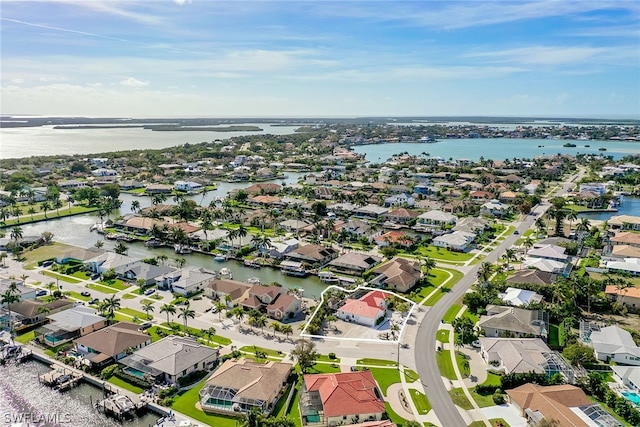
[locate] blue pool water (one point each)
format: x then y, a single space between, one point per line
632 396
135 372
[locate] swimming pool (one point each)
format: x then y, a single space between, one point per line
134 372
632 396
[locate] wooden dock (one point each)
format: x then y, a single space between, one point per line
119 406
60 378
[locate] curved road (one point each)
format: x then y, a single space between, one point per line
425 354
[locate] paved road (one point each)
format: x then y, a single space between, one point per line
425 354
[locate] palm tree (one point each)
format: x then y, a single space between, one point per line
241 232
527 242
16 233
571 216
158 199
186 313
286 330
168 309
135 206
509 255
262 242
238 312
148 307
6 299
180 262
99 244
206 222
113 304
541 225
583 225
429 264
211 332
31 211
220 305
486 268
121 248
275 326
260 321
45 206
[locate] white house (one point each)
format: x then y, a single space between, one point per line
104 172
399 200
186 281
612 343
494 208
628 376
187 186
365 311
519 297
434 219
457 241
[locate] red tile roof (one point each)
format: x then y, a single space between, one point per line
346 393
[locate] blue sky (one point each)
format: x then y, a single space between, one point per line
320 58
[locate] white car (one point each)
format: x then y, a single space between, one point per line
476 344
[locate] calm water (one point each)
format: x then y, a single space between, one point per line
496 149
45 141
21 393
629 206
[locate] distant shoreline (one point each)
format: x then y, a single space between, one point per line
168 128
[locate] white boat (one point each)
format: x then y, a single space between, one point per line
181 249
328 277
254 281
225 273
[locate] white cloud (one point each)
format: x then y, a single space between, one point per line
543 55
133 82
17 80
181 2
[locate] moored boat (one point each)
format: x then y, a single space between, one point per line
328 277
252 263
181 249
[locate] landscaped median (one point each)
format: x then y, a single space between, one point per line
420 400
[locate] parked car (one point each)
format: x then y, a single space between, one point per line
144 326
94 301
476 344
85 293
95 276
41 293
516 232
149 291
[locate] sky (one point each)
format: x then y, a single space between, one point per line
187 58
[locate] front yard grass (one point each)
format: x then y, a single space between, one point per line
397 419
420 400
130 296
49 251
76 295
436 296
385 377
324 368
103 289
463 364
376 362
443 335
442 254
114 283
445 366
26 337
186 401
458 397
62 277
121 383
486 400
197 333
135 313
325 358
451 313
269 352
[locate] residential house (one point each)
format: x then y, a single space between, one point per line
503 321
531 277
170 358
285 306
31 312
358 229
369 310
548 257
630 266
220 288
370 211
627 376
238 386
517 355
111 260
68 324
266 201
263 188
158 189
565 403
145 272
186 281
459 241
21 291
480 196
614 344
111 343
279 249
623 244
400 274
103 172
293 225
519 297
393 238
314 256
435 220
629 297
400 216
625 222
354 263
399 200
340 398
494 208
471 225
260 296
137 224
187 186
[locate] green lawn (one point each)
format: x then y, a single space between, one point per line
76 295
493 421
376 362
385 377
269 352
442 335
462 367
420 400
397 419
148 301
445 366
26 337
442 254
103 289
114 283
324 368
553 336
185 402
198 333
410 375
486 400
49 251
436 296
325 358
458 397
135 313
474 317
26 219
121 383
62 277
130 296
293 412
451 313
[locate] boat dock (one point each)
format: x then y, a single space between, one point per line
119 406
15 352
60 378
